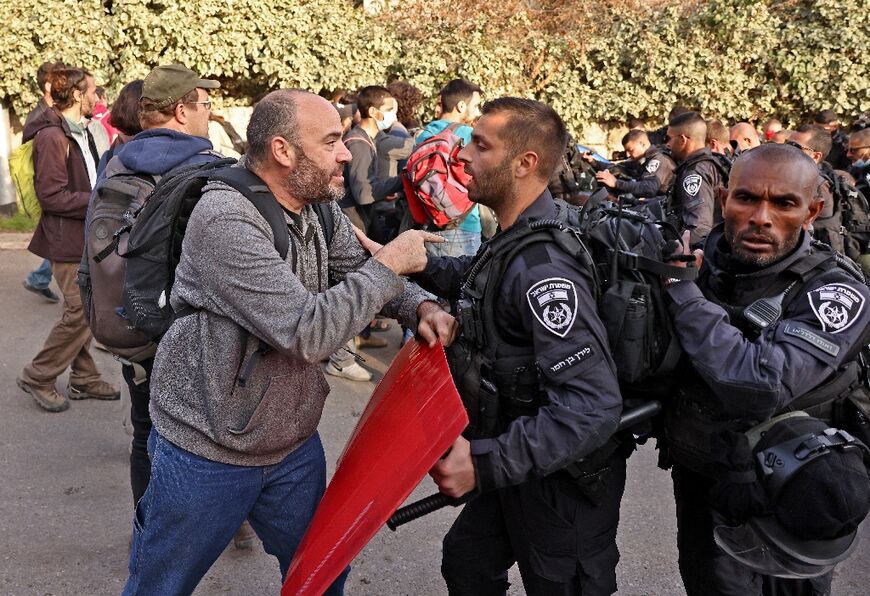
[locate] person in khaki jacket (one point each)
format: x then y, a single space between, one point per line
64 162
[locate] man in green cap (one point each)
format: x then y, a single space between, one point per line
176 94
173 110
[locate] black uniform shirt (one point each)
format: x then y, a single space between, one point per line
824 326
696 190
656 178
545 301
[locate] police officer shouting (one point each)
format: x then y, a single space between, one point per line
692 205
533 367
772 324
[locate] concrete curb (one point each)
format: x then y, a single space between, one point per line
15 240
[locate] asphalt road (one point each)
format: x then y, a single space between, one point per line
65 502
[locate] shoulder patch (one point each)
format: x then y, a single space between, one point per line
816 340
653 166
554 303
836 306
692 184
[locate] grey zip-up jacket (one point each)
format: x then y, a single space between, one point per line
231 271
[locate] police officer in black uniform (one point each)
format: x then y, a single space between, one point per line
858 151
655 174
533 368
693 203
773 323
838 157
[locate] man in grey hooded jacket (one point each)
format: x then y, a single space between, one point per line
222 452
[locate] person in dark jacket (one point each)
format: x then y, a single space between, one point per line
838 157
541 353
38 280
743 368
693 203
64 163
654 174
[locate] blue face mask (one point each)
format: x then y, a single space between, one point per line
861 163
388 121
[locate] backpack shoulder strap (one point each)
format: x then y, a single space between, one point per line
256 191
327 221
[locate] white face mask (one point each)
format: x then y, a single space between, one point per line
388 121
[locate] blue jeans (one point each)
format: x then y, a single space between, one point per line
193 506
457 242
40 277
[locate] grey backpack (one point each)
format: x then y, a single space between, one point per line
119 195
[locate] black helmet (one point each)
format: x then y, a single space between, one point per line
818 492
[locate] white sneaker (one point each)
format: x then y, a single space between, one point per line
352 372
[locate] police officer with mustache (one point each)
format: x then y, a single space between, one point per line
774 323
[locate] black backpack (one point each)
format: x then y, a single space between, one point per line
855 213
628 247
625 250
575 179
847 230
157 232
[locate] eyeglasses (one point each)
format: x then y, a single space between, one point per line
856 149
799 146
207 103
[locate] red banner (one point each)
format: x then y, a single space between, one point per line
413 417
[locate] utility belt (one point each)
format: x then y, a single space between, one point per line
496 394
694 431
590 474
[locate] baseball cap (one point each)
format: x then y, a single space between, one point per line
167 84
818 488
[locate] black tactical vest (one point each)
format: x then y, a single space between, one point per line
678 199
497 379
695 423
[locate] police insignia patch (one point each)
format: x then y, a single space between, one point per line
554 303
653 166
836 306
692 184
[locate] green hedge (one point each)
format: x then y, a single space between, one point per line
735 59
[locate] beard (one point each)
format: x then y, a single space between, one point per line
311 184
748 257
492 187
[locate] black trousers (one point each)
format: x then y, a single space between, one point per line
140 397
706 569
562 543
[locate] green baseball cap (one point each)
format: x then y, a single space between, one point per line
167 84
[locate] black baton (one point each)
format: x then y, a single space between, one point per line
438 501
